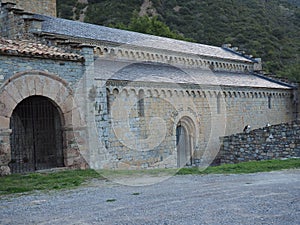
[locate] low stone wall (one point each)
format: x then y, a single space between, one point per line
273 142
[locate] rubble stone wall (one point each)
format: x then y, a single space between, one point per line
271 142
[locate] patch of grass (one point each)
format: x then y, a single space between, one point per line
111 200
245 167
136 193
129 173
18 183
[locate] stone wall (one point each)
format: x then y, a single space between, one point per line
58 80
133 140
20 24
134 130
44 7
270 142
70 71
257 107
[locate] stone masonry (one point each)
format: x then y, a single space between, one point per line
270 142
135 101
170 104
25 72
44 7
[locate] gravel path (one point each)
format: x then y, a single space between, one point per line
262 198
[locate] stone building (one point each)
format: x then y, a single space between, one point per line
79 95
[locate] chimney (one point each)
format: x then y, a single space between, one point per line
44 7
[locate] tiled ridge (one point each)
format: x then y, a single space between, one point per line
27 48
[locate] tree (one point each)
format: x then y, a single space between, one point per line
149 25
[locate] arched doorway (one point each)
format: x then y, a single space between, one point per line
185 138
36 139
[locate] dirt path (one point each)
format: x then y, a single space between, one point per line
262 198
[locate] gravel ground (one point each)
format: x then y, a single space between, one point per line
262 198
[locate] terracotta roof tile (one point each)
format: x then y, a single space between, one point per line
27 48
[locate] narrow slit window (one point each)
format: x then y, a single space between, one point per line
141 104
269 102
219 104
108 100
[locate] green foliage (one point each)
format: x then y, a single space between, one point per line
148 25
245 167
295 2
291 71
111 12
266 29
18 183
70 9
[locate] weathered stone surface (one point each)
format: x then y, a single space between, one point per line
4 171
4 122
46 7
7 104
276 144
131 98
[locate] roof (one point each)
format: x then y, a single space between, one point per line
27 48
161 73
100 33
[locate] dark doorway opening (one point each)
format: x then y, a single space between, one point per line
184 151
36 139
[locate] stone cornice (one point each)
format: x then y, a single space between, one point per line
129 53
168 90
134 53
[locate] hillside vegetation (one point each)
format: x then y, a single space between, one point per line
269 29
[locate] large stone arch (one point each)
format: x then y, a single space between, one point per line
38 83
36 138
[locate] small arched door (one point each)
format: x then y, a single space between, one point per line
36 139
185 141
184 150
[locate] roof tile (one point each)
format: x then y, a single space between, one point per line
100 33
161 73
27 48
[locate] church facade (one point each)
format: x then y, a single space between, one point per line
80 95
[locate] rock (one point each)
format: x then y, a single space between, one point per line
4 171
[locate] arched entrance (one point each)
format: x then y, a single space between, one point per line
185 138
36 139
